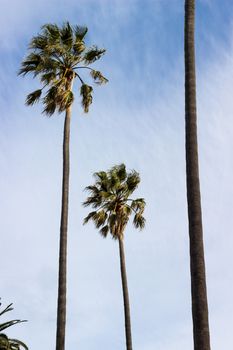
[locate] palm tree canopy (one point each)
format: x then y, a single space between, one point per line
5 342
110 197
57 56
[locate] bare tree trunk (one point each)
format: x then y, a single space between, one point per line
197 262
61 303
125 296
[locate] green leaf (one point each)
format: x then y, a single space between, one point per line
86 93
99 218
98 77
92 189
101 175
66 35
7 309
80 32
93 54
15 344
89 217
9 324
5 342
33 97
52 32
139 221
104 231
39 42
78 48
121 172
138 204
132 181
30 64
48 78
64 100
94 201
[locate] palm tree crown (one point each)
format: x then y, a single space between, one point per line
110 196
5 342
57 55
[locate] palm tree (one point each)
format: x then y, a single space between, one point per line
57 56
197 261
110 197
8 343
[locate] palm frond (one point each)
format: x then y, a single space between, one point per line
11 344
98 77
100 218
51 32
7 309
80 32
66 33
114 181
31 64
49 101
49 77
121 172
33 97
104 185
138 204
104 231
78 48
64 100
15 344
127 210
101 175
112 220
106 195
38 64
50 108
92 189
5 342
89 217
102 180
9 324
39 42
93 54
139 221
49 65
94 201
86 93
133 180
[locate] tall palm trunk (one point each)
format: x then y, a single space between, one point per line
125 295
197 262
61 304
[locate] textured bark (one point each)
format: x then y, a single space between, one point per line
197 262
61 303
125 296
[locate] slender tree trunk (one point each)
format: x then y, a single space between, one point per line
61 303
197 262
125 296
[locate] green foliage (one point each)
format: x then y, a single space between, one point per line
93 54
33 97
86 93
110 197
54 55
5 342
98 77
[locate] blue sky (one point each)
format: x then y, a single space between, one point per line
137 118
